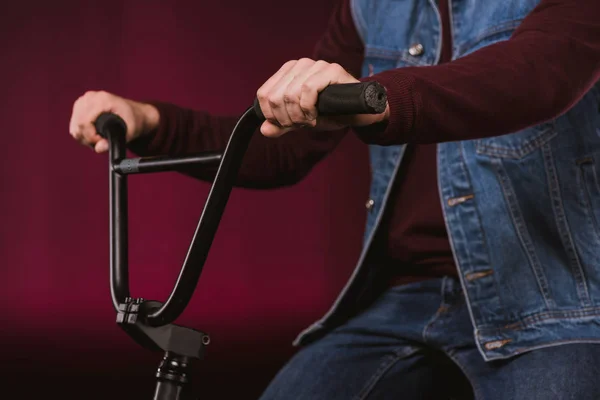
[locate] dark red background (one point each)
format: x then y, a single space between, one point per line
261 283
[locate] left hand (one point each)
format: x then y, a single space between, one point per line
288 98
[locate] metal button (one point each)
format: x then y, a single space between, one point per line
370 204
416 50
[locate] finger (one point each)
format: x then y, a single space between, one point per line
263 92
74 128
88 133
81 125
101 146
277 99
315 84
280 98
299 115
269 129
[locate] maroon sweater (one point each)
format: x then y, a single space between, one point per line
553 57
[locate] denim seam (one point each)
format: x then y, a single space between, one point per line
452 30
477 391
394 55
388 362
522 350
484 241
438 51
494 280
587 196
563 227
521 230
439 311
466 294
532 320
464 260
359 20
379 52
516 152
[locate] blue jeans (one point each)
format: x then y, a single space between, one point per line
416 342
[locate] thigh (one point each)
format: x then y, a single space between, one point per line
563 372
332 369
378 354
356 366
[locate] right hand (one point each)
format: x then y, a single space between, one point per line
140 118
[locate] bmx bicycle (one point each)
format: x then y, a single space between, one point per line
150 322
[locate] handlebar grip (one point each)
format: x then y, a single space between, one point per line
108 123
346 99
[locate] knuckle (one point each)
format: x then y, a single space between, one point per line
105 96
309 117
289 98
306 109
297 118
306 60
321 63
336 67
290 63
306 88
80 138
275 101
262 94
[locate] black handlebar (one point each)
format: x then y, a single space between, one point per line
347 99
343 99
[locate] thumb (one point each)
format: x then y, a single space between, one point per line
101 146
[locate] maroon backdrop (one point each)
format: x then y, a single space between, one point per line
279 257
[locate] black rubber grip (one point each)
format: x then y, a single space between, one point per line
347 99
110 123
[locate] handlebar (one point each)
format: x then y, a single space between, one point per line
340 99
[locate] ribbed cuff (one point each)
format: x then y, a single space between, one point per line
152 142
403 102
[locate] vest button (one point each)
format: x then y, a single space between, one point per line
416 50
370 203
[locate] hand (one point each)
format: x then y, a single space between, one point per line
288 98
139 117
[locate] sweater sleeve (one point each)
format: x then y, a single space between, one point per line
548 64
268 162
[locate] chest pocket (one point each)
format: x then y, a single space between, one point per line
516 145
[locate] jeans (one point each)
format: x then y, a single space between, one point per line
416 342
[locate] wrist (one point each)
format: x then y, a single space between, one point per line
150 118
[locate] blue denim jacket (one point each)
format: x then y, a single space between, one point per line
522 210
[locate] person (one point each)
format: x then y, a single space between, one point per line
480 272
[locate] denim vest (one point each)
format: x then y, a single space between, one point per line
522 210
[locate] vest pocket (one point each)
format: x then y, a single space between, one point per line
516 145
